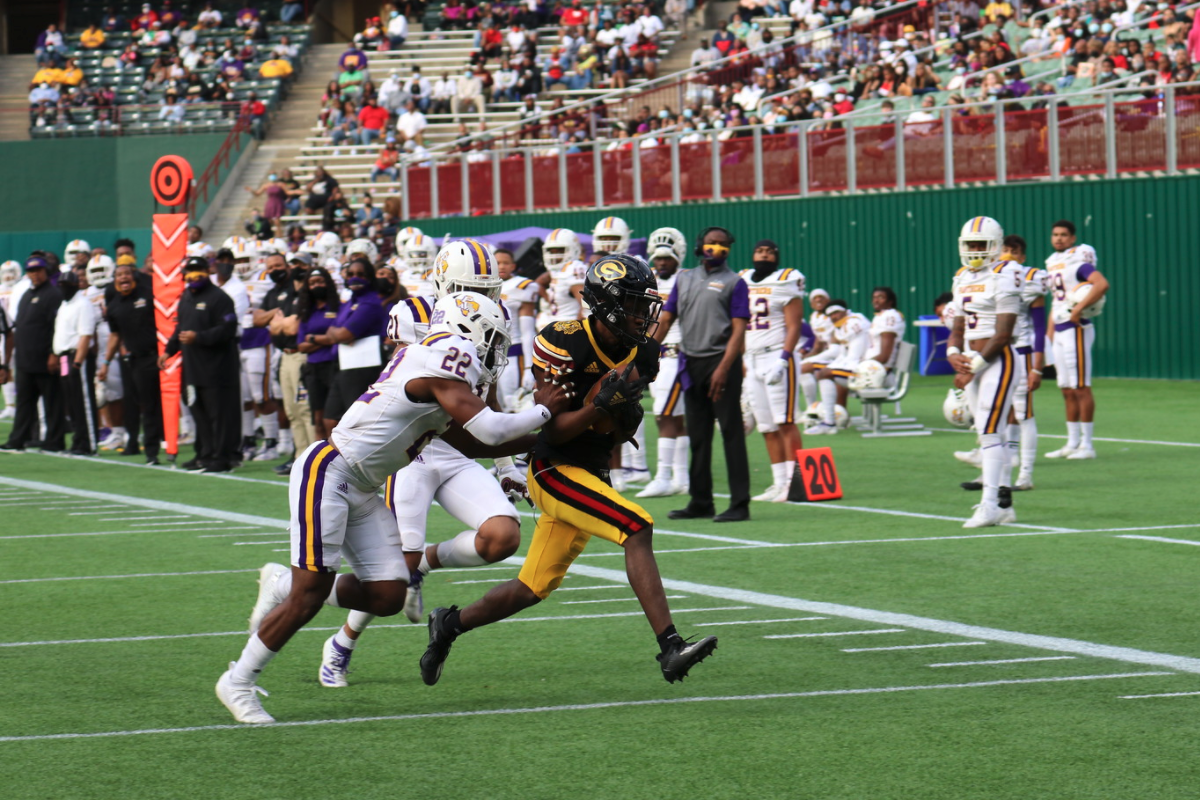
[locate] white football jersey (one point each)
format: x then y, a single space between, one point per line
96 295
6 293
766 329
853 334
889 320
822 327
981 295
1037 283
236 289
200 250
665 287
383 430
417 282
563 304
515 292
1066 271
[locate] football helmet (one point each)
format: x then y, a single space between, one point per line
620 289
100 271
405 236
245 254
1079 294
364 246
466 266
869 374
980 229
561 247
611 235
957 410
478 318
232 242
812 415
667 242
271 246
420 252
73 247
10 273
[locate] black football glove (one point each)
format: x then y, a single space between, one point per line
617 391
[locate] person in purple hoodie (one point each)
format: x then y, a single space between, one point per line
317 307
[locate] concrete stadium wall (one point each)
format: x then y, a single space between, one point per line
97 189
1146 233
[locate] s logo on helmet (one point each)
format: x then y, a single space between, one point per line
467 306
611 270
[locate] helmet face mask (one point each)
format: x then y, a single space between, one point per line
466 266
100 271
10 273
419 252
612 236
980 242
666 243
479 319
561 248
622 293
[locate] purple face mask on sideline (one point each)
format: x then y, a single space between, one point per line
357 284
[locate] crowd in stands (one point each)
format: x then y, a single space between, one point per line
177 62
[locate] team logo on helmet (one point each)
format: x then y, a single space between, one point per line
467 306
611 270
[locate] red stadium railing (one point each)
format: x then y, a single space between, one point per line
210 180
1156 133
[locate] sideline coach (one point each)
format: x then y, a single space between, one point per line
713 305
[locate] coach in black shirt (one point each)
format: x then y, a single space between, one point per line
34 340
130 314
207 335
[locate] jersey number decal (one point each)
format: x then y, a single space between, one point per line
367 397
760 318
1060 290
457 362
419 445
972 317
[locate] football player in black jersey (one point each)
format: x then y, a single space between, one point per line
610 359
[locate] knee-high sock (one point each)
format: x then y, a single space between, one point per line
1012 452
994 458
808 385
828 401
682 459
666 459
1073 435
1029 447
635 457
460 551
248 423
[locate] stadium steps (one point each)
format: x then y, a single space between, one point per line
236 211
294 118
15 74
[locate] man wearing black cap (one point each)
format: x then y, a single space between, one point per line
713 305
33 337
207 336
129 309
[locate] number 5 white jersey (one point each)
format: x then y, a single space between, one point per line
383 430
766 330
982 295
1067 270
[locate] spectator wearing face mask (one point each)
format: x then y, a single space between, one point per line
129 310
36 366
469 93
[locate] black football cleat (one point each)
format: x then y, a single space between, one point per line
1005 498
440 639
681 655
972 486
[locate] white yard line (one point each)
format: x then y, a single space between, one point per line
491 712
109 533
1144 696
1000 661
169 470
138 519
562 588
132 575
754 621
1160 539
269 541
833 633
104 510
1053 643
617 600
910 647
1094 438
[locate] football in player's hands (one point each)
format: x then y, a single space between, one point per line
616 394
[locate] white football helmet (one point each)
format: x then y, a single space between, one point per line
1079 293
73 247
232 242
268 247
478 318
812 415
957 410
365 247
561 247
869 374
100 271
980 229
611 235
244 256
405 236
420 252
10 273
466 266
667 242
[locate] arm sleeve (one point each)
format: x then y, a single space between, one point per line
1085 271
739 301
494 428
1038 317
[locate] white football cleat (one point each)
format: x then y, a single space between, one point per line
414 603
335 663
268 593
1024 483
681 487
266 454
770 494
617 478
820 429
784 491
1082 454
659 487
1062 452
972 457
114 441
1007 516
638 476
242 701
985 516
8 413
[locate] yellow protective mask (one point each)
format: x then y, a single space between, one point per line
715 251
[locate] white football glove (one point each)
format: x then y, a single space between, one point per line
776 373
527 382
749 423
512 480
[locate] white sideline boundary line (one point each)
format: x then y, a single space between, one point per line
755 621
833 633
114 533
1144 696
1160 539
492 712
131 575
909 647
314 629
1053 643
617 599
1001 661
1094 438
